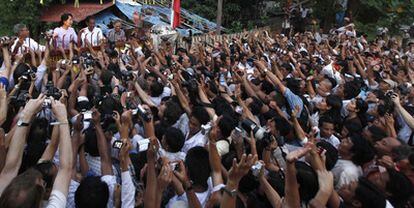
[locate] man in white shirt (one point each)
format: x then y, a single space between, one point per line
327 129
195 136
24 43
91 33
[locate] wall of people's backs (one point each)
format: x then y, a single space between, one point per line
210 39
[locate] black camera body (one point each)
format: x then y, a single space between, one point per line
21 99
127 75
28 75
52 91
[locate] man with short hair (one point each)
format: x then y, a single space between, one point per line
91 33
24 43
327 130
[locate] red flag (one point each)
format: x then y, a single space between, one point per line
175 13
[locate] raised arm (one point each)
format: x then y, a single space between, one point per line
15 153
143 95
269 191
271 76
401 110
291 184
3 104
52 146
236 173
64 174
214 157
181 97
106 162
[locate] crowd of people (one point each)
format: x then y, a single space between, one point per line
264 120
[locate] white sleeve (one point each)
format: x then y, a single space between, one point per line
56 200
128 190
110 180
39 76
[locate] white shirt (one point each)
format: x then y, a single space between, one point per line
345 172
95 164
110 180
56 200
27 43
182 124
127 191
157 100
94 37
172 156
331 140
182 201
196 140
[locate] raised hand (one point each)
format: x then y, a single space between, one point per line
238 170
181 174
59 110
295 155
165 177
33 106
96 116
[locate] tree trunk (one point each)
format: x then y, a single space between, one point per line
219 16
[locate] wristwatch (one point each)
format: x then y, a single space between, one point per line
20 123
232 193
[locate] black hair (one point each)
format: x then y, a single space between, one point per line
351 90
267 87
331 154
226 125
156 89
248 183
362 151
172 113
377 133
369 195
91 142
200 113
221 106
108 105
399 186
307 180
332 81
353 126
362 107
283 126
335 102
198 166
256 106
227 159
91 17
92 192
293 85
64 17
45 168
326 119
36 143
174 139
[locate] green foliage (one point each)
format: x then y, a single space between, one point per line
237 14
20 11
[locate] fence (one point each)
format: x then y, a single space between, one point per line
210 39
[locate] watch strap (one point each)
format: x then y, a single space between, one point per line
231 193
20 123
